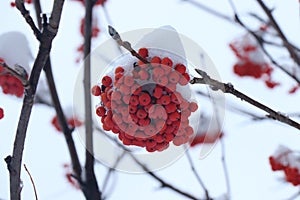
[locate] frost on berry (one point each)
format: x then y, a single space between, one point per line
1 113
287 161
251 60
147 105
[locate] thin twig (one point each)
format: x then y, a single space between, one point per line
115 35
32 182
280 33
192 165
91 189
237 21
57 105
111 170
210 10
21 7
229 88
163 183
38 12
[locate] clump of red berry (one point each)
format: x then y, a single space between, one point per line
142 104
72 122
287 161
251 62
9 83
1 113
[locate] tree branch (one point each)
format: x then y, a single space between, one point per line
46 38
228 88
25 13
32 182
91 189
163 183
275 25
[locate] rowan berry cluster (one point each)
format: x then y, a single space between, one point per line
72 122
10 84
142 104
251 61
287 161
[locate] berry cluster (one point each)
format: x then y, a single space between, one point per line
1 113
10 84
251 61
72 122
142 105
287 161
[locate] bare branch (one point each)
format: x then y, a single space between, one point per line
187 153
163 183
115 35
275 25
229 88
21 7
91 189
45 39
32 182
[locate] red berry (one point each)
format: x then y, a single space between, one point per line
174 77
96 90
144 99
100 111
143 74
157 92
163 80
129 80
156 60
143 52
171 107
193 106
134 100
106 81
119 70
165 100
167 61
180 68
174 116
141 113
144 122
